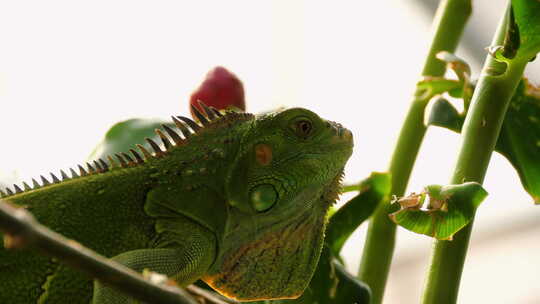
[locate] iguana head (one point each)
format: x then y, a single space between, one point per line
286 175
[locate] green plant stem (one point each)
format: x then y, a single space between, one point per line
377 255
480 131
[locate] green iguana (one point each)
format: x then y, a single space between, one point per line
238 201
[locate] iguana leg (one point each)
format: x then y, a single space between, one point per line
185 264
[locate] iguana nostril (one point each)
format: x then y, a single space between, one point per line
339 130
346 134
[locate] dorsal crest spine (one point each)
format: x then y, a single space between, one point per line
209 118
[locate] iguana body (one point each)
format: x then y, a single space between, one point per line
239 203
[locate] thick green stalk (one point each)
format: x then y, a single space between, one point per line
480 131
449 23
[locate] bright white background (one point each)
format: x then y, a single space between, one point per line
70 69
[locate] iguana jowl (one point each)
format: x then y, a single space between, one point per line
239 202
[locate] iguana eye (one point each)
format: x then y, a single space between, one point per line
303 127
263 197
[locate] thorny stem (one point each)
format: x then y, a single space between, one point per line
479 135
23 231
449 23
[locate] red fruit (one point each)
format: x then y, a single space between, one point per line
220 89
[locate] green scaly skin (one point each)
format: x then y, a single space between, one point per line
241 203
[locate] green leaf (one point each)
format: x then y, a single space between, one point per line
524 23
449 209
519 140
349 188
347 218
443 114
125 135
430 86
331 283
